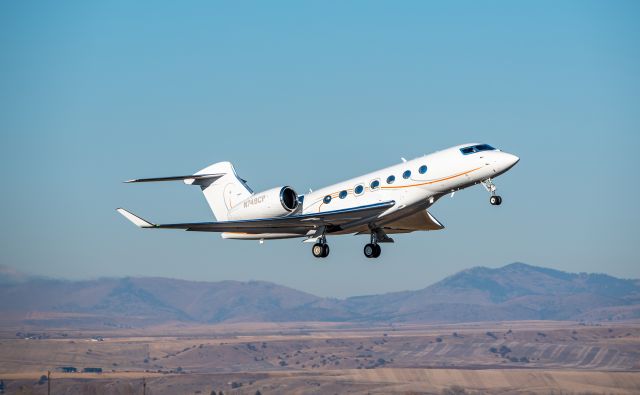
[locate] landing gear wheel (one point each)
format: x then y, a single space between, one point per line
377 250
372 250
325 250
369 250
495 200
318 250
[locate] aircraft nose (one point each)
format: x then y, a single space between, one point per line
503 162
510 160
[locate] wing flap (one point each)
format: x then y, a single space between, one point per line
422 220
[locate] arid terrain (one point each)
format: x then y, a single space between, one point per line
518 329
527 357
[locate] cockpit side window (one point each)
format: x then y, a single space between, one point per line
484 147
476 148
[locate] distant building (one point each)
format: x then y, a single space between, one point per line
68 369
92 370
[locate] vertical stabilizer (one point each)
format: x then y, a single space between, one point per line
222 193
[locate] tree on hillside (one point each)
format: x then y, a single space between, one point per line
454 390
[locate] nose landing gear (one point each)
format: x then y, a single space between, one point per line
488 184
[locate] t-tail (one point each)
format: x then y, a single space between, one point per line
220 185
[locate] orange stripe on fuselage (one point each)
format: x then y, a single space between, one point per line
433 181
404 186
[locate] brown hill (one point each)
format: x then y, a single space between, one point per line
513 292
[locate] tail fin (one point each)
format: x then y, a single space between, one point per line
222 193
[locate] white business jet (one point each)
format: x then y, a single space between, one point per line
392 200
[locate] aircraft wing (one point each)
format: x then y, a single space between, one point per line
290 224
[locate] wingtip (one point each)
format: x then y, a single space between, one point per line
137 221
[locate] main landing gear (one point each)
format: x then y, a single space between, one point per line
488 184
372 250
321 248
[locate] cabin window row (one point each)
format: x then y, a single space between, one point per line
375 184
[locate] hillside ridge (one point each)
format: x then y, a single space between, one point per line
517 291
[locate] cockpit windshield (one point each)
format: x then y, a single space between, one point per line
476 148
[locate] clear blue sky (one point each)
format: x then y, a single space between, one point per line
306 94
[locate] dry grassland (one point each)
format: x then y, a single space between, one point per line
493 358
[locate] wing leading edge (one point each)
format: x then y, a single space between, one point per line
290 224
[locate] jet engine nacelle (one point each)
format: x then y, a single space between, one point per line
276 202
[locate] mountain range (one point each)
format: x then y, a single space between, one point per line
513 292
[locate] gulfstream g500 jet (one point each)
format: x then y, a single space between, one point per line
392 200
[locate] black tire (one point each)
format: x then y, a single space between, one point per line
377 250
494 200
499 200
325 250
317 250
369 250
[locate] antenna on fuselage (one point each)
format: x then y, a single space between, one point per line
403 160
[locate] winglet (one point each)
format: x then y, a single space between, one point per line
137 221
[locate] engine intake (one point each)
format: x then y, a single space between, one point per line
275 202
288 198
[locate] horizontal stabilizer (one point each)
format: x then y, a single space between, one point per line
186 179
137 221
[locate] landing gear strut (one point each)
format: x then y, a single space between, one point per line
488 184
372 250
321 248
